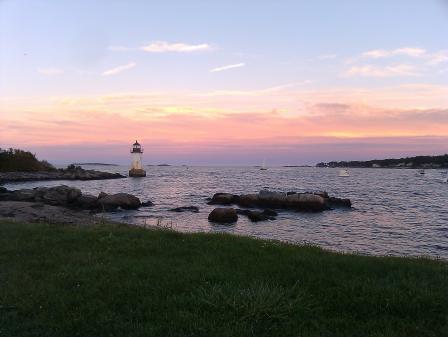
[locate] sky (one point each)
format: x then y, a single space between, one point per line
224 82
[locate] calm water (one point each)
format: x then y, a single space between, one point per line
395 212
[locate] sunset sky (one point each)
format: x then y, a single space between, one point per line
224 82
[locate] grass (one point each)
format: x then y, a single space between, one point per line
120 281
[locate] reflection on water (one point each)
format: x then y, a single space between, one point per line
396 212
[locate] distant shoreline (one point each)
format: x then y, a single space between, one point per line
96 164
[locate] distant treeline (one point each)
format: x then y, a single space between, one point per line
408 162
12 160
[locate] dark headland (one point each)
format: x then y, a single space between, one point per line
18 165
418 162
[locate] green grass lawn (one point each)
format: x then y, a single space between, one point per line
119 281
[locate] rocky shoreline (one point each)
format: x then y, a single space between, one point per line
70 173
62 204
66 204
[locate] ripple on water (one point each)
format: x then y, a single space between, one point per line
396 212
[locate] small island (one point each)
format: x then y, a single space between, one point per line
94 164
418 162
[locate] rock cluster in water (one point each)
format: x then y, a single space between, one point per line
70 173
268 200
72 197
307 202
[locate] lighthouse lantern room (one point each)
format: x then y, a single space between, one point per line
136 168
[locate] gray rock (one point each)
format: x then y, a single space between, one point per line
222 199
248 200
223 215
304 202
193 209
58 195
256 216
333 202
22 211
23 195
87 201
122 200
102 195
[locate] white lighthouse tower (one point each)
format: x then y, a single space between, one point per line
136 168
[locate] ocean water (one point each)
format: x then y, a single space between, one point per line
395 211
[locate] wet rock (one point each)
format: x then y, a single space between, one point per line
58 195
122 200
270 212
193 209
304 202
87 201
323 194
22 211
337 203
147 204
102 195
272 199
22 195
255 216
248 200
223 215
222 199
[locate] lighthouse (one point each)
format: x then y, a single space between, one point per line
136 167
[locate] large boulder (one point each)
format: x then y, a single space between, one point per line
58 195
248 200
223 199
123 200
22 195
223 215
256 216
272 199
306 202
87 201
333 202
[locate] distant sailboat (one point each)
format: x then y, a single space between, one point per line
445 179
344 173
263 167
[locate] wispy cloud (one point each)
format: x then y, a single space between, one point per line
406 51
119 69
439 57
164 47
386 71
50 71
327 56
230 66
430 58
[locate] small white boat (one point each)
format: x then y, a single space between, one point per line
445 179
344 173
263 167
421 171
